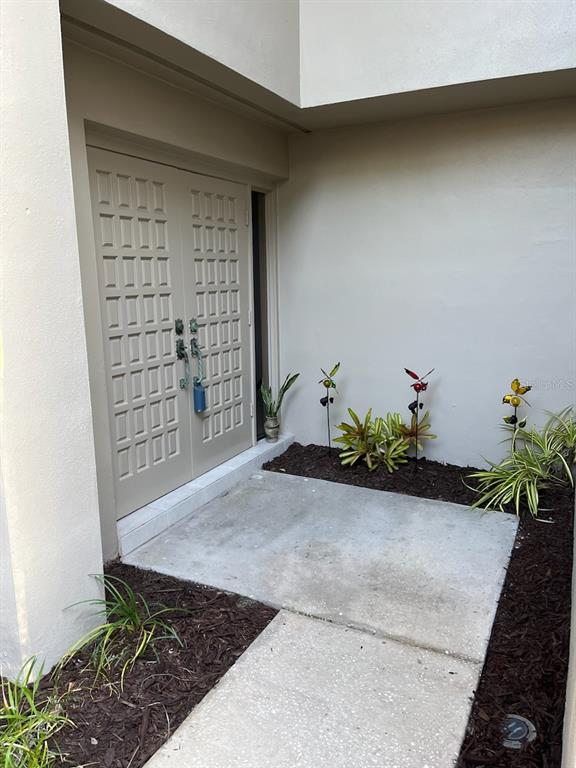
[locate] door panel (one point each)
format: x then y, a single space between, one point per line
171 244
216 263
138 248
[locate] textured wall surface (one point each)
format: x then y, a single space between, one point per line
353 50
446 242
258 38
50 507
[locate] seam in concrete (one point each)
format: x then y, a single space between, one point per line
364 629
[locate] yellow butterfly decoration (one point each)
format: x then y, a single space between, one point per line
518 388
515 399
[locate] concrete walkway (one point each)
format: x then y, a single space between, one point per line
389 602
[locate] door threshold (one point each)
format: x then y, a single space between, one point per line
147 522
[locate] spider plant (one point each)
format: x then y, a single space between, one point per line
563 426
128 629
537 465
28 720
272 406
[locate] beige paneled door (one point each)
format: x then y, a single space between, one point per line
171 246
217 275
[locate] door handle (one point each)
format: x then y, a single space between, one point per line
182 354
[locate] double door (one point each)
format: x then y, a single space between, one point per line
174 280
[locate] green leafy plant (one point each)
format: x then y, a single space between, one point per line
357 441
536 462
392 451
417 431
272 406
563 426
29 718
129 628
374 442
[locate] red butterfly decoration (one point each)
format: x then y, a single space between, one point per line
419 385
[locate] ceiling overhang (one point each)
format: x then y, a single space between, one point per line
103 27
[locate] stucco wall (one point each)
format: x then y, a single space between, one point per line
257 38
446 242
50 528
352 50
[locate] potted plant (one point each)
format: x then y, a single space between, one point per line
272 407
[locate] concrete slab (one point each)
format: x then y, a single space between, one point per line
308 694
427 572
145 523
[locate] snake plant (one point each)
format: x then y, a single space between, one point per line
272 406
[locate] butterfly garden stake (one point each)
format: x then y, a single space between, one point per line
515 399
419 385
329 384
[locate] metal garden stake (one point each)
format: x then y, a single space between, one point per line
329 384
420 385
515 399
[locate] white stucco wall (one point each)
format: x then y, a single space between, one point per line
50 528
446 242
104 91
257 38
352 50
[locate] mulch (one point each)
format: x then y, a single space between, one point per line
527 660
123 729
432 480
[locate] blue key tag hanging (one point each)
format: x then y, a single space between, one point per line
199 396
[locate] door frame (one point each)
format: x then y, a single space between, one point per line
106 138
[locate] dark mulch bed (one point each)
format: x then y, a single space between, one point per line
432 480
117 731
527 660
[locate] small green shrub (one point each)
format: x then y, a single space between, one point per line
374 442
418 431
130 628
357 441
536 462
28 720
